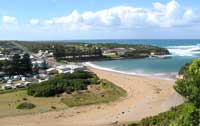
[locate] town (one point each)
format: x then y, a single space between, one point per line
19 69
25 63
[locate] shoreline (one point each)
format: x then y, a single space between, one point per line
163 76
145 97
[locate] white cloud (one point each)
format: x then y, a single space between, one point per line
170 15
160 18
161 15
34 21
9 20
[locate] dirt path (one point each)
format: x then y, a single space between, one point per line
146 96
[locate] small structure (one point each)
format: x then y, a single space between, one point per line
42 80
9 82
63 69
7 87
40 63
117 51
4 58
23 78
16 77
69 68
51 71
26 83
19 85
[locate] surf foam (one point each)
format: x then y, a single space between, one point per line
189 50
170 76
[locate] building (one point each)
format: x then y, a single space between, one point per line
51 71
69 68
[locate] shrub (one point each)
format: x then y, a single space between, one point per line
25 105
79 80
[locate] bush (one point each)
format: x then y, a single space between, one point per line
79 80
25 105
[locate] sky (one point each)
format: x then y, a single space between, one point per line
99 19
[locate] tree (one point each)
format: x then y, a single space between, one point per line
16 62
59 51
26 65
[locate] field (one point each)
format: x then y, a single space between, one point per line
104 93
9 102
107 92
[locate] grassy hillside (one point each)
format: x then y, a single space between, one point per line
55 94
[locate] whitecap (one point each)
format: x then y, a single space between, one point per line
189 50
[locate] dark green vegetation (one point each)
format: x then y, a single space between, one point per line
103 93
79 80
184 69
66 51
97 51
187 114
26 105
8 48
190 86
17 65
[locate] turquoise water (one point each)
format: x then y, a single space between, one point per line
182 51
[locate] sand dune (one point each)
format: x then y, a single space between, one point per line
146 97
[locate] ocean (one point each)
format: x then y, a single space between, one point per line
182 52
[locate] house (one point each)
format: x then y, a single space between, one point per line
23 78
69 68
43 76
40 71
3 57
7 87
19 85
51 71
42 80
63 69
40 63
9 82
117 51
26 83
16 77
50 54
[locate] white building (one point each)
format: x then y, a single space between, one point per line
68 68
52 71
7 87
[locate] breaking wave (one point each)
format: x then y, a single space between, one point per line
166 76
189 50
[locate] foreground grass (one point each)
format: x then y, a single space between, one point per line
11 91
9 102
103 93
106 92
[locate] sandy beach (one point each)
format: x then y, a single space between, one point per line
146 96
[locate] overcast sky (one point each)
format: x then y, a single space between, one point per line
99 19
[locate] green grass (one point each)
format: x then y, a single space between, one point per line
11 91
25 105
108 92
9 102
10 99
